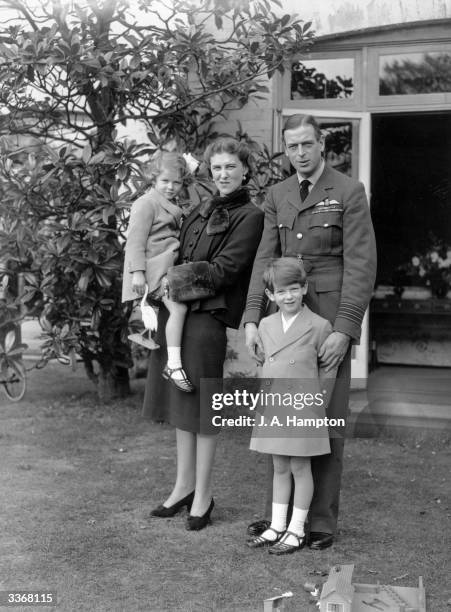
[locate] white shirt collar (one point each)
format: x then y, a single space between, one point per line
286 323
315 176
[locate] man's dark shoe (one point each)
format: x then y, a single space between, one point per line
257 528
319 541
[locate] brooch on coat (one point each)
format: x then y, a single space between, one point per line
218 218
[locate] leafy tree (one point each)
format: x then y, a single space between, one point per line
71 77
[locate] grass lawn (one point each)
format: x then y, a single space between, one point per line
78 481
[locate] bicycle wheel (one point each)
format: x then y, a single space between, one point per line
13 380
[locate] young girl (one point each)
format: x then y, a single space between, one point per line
152 247
291 339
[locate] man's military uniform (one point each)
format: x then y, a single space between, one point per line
331 231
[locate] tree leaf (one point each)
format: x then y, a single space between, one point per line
86 153
10 340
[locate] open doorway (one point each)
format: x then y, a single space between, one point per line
411 210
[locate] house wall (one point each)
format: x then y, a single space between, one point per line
328 17
331 17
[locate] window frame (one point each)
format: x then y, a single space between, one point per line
376 100
353 103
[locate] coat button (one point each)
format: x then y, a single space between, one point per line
196 230
299 236
271 359
326 225
291 361
190 244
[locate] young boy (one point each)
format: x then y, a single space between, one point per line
291 340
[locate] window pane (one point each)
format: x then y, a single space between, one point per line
338 145
331 607
415 73
322 79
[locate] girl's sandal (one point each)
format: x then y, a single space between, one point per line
282 548
260 541
182 384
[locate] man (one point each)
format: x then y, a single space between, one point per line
322 217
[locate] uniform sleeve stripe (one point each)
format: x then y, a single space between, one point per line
353 312
255 301
255 308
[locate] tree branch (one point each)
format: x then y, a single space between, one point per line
18 6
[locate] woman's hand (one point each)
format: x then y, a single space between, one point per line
139 282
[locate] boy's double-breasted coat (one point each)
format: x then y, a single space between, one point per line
291 358
331 231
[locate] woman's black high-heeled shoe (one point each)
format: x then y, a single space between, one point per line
167 511
195 523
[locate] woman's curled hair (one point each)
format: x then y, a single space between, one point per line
227 144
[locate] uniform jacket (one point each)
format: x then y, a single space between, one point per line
152 242
225 254
332 232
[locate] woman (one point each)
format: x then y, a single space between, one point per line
219 240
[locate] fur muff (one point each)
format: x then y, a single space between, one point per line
190 281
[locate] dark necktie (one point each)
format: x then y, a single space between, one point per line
304 189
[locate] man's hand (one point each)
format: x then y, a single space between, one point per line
333 350
253 341
139 282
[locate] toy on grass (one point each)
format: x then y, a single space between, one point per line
276 603
149 319
340 595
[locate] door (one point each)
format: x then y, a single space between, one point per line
348 149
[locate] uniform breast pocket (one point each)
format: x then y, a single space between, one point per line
326 230
285 223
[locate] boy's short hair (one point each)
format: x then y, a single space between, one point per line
162 159
284 271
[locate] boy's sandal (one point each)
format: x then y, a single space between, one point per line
282 548
260 541
182 384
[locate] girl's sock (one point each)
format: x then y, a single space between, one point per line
296 525
174 357
175 361
278 521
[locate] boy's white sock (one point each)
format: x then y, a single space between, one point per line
174 357
296 525
278 521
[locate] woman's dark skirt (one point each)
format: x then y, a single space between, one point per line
203 354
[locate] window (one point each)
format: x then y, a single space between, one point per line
335 607
322 79
425 72
410 75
